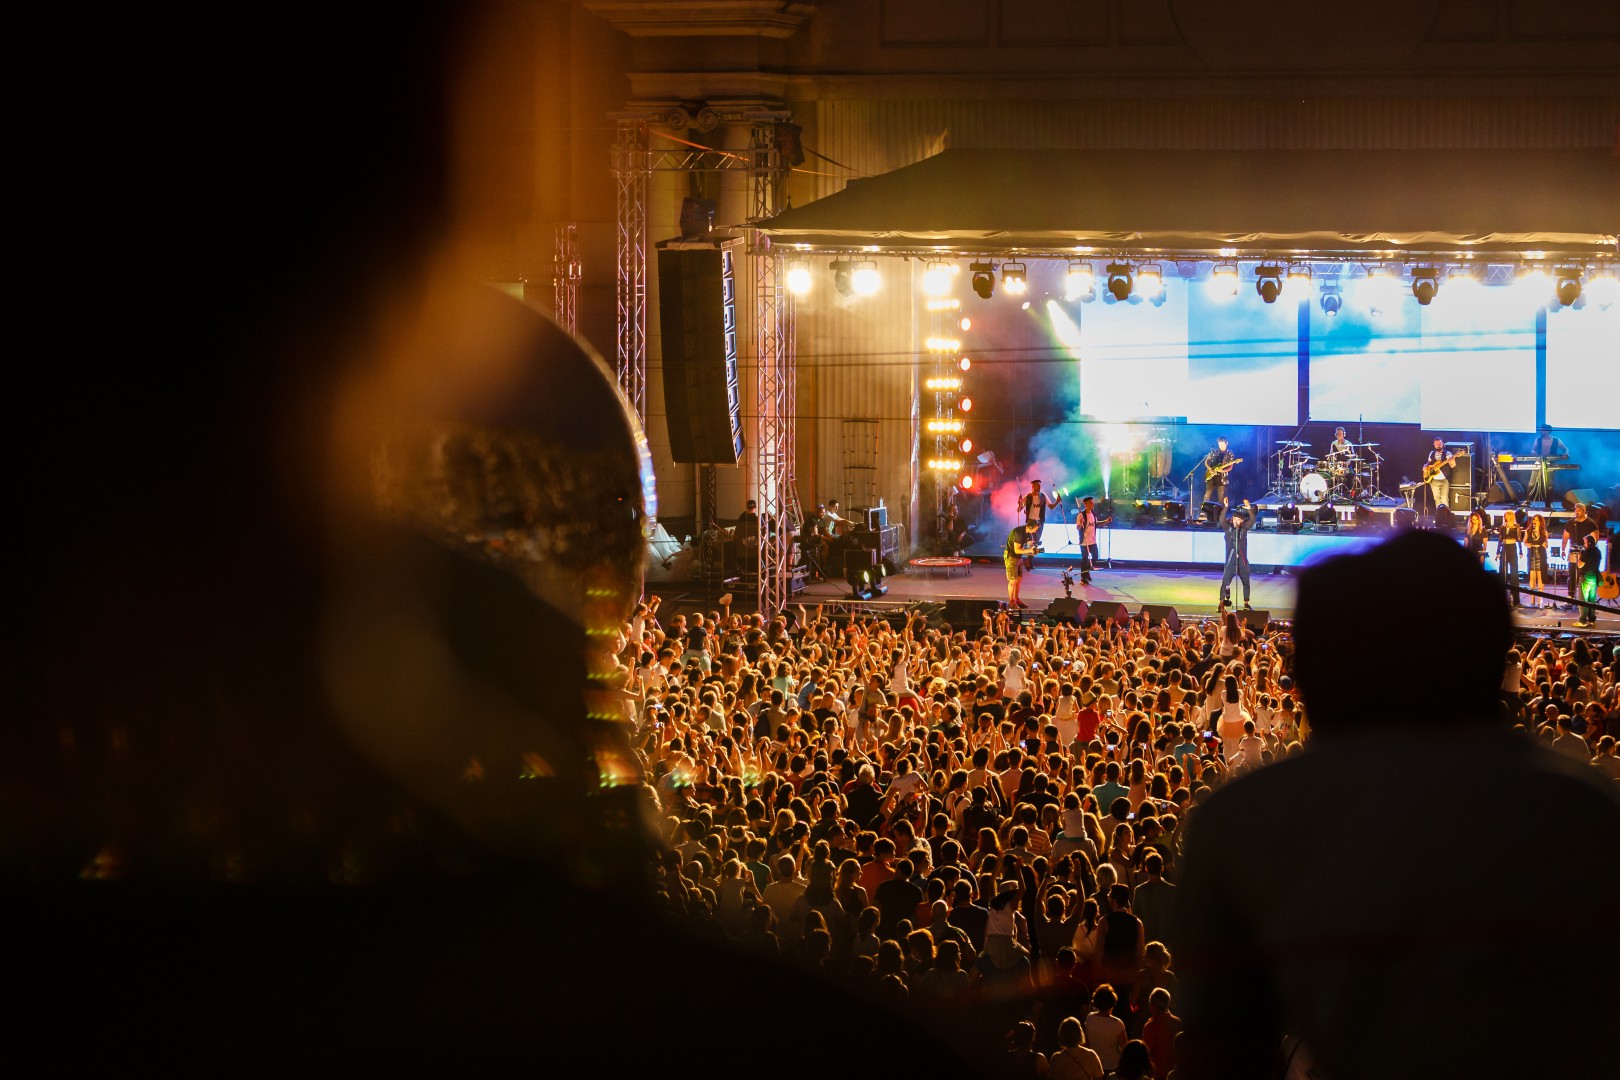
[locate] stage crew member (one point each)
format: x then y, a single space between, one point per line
1576 530
1236 526
1218 473
1019 547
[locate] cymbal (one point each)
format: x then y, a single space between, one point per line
1366 444
1290 442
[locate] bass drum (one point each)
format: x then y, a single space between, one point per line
1312 487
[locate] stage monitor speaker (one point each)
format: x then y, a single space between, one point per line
1162 613
1255 619
1069 609
1513 492
859 559
968 613
1109 611
697 310
1579 496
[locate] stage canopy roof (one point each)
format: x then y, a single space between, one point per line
1356 202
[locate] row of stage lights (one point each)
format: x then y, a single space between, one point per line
1272 280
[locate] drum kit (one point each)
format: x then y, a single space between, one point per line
1349 476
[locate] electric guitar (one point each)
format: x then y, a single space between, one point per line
1221 470
1432 469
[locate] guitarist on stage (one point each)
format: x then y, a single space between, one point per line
1437 471
1019 547
1218 473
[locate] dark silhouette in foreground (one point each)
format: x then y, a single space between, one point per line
1420 892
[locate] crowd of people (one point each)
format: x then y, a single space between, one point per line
984 826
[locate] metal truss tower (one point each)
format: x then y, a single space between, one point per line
565 275
634 162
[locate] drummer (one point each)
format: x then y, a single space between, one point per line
1340 448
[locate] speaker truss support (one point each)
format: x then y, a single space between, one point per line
634 162
632 169
566 273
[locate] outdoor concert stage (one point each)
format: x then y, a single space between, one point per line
1194 593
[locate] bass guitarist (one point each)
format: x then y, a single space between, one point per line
1437 473
1218 465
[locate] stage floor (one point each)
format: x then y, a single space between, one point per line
1193 593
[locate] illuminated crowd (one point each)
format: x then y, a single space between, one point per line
981 826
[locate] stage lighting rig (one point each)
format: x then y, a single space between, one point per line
1602 286
1331 300
1425 284
1119 280
1014 278
799 278
1223 281
936 280
1080 282
842 270
1298 284
1150 280
866 279
1268 282
984 279
1569 285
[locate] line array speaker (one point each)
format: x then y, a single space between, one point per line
697 311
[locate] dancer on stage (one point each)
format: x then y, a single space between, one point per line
1236 526
1019 547
1218 465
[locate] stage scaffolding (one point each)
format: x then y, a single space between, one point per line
634 161
565 276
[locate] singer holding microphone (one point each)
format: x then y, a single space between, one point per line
1034 505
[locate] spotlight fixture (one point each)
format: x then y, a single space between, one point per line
1014 278
1223 281
965 364
1080 281
943 427
942 344
944 464
967 482
1569 285
1535 280
984 279
1425 284
967 446
1298 284
1150 280
942 382
1603 286
966 404
842 281
866 278
799 278
936 280
1331 300
1462 275
1119 280
1268 282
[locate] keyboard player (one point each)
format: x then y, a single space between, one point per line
1546 447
